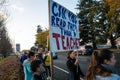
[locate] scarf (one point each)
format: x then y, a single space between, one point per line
108 67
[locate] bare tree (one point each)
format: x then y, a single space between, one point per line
5 44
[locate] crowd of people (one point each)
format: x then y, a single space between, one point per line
36 66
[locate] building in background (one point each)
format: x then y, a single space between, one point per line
17 48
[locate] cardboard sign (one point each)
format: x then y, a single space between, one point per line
64 32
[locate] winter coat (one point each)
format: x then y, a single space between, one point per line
27 70
42 76
40 56
74 70
23 57
47 60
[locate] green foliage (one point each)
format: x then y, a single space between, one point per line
41 38
92 20
99 20
113 16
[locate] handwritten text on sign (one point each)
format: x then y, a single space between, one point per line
64 33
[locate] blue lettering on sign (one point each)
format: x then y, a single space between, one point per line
54 5
63 19
72 17
58 10
72 27
55 21
63 13
74 34
65 32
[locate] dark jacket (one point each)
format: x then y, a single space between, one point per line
41 57
74 70
23 57
37 77
42 76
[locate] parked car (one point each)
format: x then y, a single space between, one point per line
81 50
55 56
88 50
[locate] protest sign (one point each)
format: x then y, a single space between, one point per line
64 32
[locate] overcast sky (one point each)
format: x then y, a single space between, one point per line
25 15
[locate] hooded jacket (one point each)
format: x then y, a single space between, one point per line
27 70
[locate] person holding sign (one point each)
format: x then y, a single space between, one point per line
74 69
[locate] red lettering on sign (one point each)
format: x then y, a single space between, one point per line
68 43
56 36
63 38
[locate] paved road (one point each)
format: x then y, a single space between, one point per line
60 69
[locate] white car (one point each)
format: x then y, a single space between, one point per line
81 50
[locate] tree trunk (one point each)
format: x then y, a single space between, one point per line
94 45
112 40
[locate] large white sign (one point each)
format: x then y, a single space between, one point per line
64 32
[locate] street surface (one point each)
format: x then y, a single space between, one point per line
61 71
60 68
